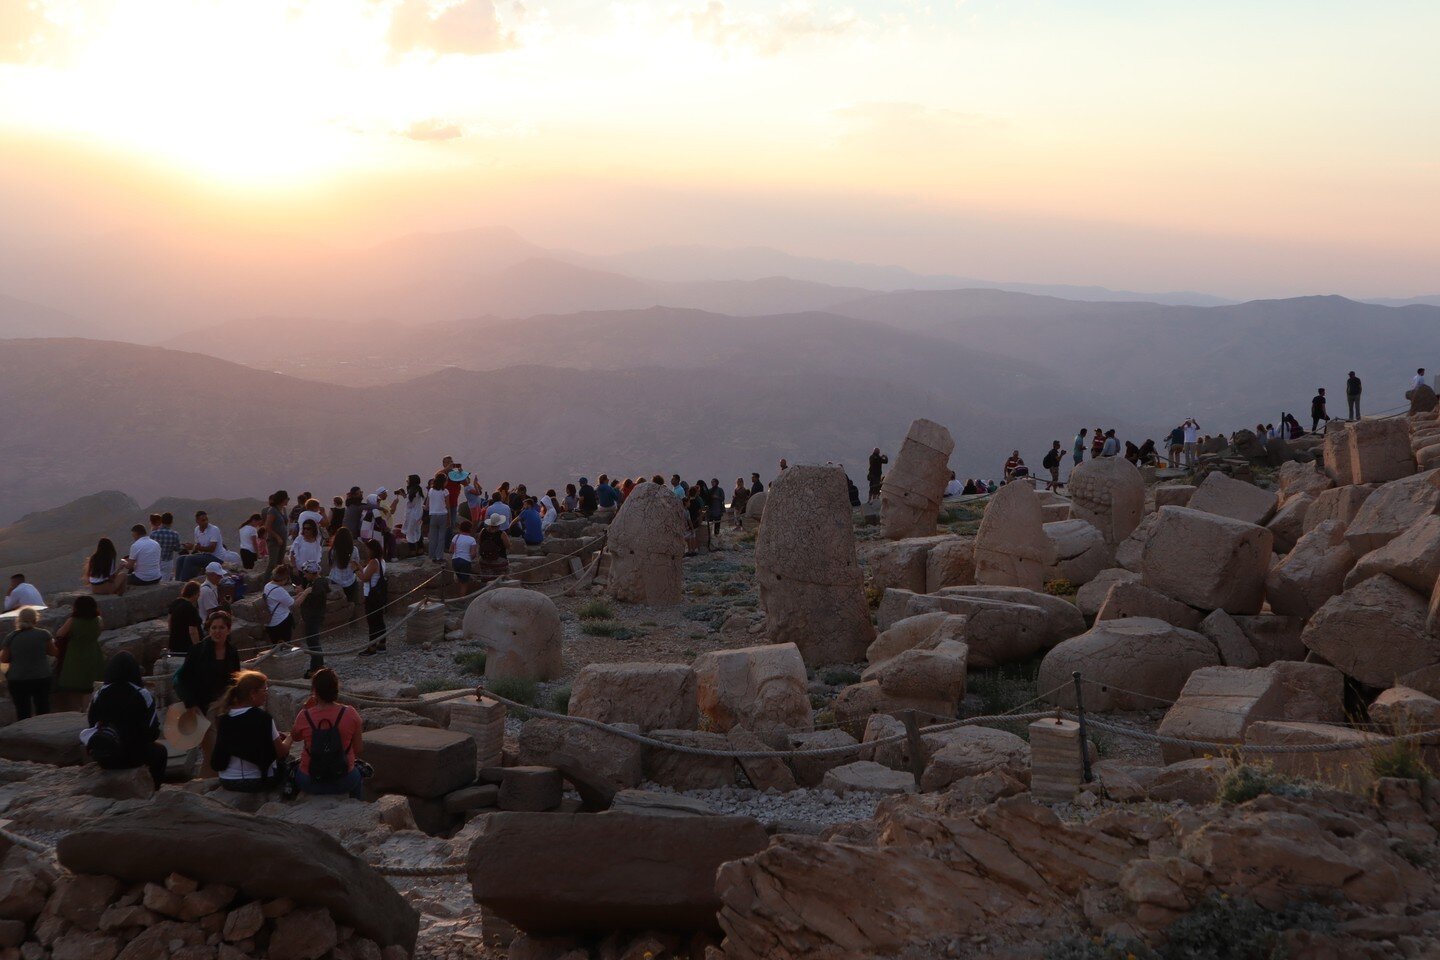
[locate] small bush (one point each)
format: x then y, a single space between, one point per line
1002 689
472 662
1400 759
560 699
1108 947
515 688
596 610
436 684
1245 782
818 701
1061 588
873 596
600 628
825 718
840 676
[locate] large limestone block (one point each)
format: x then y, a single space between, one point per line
1090 597
555 743
520 631
950 563
1061 618
1109 494
1392 509
937 673
811 588
1403 710
1413 557
1218 704
1207 561
419 761
1128 599
1002 623
685 771
620 871
913 631
1288 524
1225 496
1230 641
1296 478
1336 453
1173 495
910 497
179 833
647 548
1130 554
971 751
901 563
52 738
1380 451
1078 552
760 688
867 776
1274 637
1338 503
1348 768
1312 572
1011 548
650 695
1375 632
1137 664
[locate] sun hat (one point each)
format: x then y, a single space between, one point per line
215 568
185 728
495 520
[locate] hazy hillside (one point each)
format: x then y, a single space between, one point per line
20 318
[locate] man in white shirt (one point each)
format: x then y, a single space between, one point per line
22 594
1418 379
1192 439
210 591
144 559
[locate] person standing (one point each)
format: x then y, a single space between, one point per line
1097 443
492 549
1190 439
739 497
1317 410
1352 396
1111 446
276 530
280 625
875 476
165 535
25 651
81 661
1052 463
717 506
377 594
249 535
1079 446
414 522
437 511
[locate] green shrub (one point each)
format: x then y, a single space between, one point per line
1245 782
600 628
515 688
1002 689
1061 588
436 684
818 701
596 610
472 662
840 676
1400 759
560 699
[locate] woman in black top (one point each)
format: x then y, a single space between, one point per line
185 625
209 669
124 721
247 742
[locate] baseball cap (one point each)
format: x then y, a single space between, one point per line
215 568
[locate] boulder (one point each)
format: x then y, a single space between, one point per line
1348 768
937 673
520 632
1227 497
1335 453
950 563
684 771
1136 664
1413 557
1218 704
858 702
901 563
419 761
1402 710
1391 510
1231 643
1061 619
1312 572
1288 524
650 695
810 770
971 751
602 755
52 738
755 508
1380 451
1274 637
179 833
1131 552
1090 597
1011 548
530 789
1422 399
1208 561
867 776
1109 494
1129 599
1375 632
1297 478
1339 503
1428 457
647 548
1077 551
911 632
761 688
763 772
1426 680
621 871
1195 781
913 488
811 588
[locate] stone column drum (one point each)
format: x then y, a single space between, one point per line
910 497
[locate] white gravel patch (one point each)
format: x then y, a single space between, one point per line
816 806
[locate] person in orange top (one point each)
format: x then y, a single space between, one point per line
331 734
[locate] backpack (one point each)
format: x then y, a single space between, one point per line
328 759
1052 459
105 746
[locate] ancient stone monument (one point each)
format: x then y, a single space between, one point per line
810 584
647 548
915 485
1108 494
520 631
1011 549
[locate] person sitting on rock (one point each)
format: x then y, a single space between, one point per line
248 745
493 549
332 736
105 572
531 524
125 722
1014 465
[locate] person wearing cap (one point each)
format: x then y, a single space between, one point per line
209 600
125 722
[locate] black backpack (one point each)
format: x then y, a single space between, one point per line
106 746
1052 459
328 759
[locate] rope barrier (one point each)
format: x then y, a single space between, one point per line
1276 748
388 870
20 840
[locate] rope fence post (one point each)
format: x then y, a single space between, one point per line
1080 719
917 746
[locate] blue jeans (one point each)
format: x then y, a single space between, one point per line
350 783
192 565
438 527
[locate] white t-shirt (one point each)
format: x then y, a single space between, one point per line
1417 380
238 769
278 601
307 554
209 598
1192 433
499 510
342 577
463 546
953 488
374 577
209 540
24 595
437 503
248 534
146 554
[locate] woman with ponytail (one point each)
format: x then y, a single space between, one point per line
248 745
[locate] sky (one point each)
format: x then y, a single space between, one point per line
1237 148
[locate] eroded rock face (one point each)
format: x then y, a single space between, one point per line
650 695
911 495
1227 497
1011 549
1219 704
1312 572
1135 664
647 548
1391 509
1413 557
760 688
810 584
1077 552
1109 494
1380 451
520 631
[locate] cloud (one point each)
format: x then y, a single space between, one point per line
434 130
466 27
766 34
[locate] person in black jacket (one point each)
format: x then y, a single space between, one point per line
248 745
1352 396
876 474
210 667
124 721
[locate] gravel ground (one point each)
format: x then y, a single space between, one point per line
805 805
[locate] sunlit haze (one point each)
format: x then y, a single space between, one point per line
1236 148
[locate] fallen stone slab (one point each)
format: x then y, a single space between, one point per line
1207 561
621 871
650 695
653 803
1375 632
867 776
1227 497
52 738
1135 664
